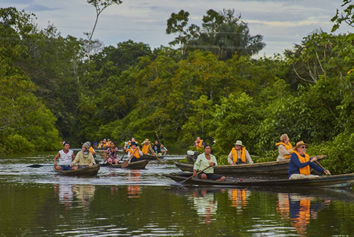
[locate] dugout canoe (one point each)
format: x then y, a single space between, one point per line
141 164
333 181
271 168
82 172
151 157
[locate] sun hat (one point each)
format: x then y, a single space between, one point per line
146 141
133 143
238 143
300 143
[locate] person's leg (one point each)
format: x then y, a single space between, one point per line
109 161
58 167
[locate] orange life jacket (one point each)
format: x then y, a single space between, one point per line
145 148
287 147
305 170
235 156
134 153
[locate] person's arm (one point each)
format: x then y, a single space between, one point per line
93 162
76 160
248 158
230 159
296 161
151 150
196 165
73 156
283 151
55 159
317 168
140 152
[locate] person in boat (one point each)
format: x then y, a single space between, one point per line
133 140
111 155
206 160
134 152
92 151
146 147
163 149
284 148
157 148
300 163
83 157
239 154
198 143
127 145
66 156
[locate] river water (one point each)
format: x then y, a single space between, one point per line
118 202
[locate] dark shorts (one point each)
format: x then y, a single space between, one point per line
210 176
66 167
134 159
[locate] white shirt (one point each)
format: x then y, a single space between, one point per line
65 158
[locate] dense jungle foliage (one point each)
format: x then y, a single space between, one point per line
50 90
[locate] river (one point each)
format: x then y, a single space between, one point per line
118 202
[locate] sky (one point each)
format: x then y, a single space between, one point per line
282 23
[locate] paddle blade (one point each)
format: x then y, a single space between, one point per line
125 164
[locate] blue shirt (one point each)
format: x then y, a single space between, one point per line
295 165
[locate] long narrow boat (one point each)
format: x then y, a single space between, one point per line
334 181
151 157
273 167
141 164
83 172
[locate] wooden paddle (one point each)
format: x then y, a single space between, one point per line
38 165
126 163
318 163
183 181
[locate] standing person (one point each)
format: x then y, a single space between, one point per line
239 154
300 163
83 157
146 147
163 149
134 152
66 156
203 161
284 148
111 154
198 143
157 148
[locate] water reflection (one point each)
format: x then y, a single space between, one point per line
84 193
205 204
299 209
239 197
66 193
134 190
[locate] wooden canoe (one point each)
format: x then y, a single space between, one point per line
141 164
84 172
333 181
151 157
272 168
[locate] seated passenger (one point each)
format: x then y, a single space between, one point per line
111 154
198 143
83 157
163 149
203 161
285 148
300 163
146 147
66 156
239 154
134 152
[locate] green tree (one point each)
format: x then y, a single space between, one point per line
346 16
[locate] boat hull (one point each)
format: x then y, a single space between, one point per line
83 172
141 164
334 181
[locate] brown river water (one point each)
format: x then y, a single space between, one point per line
119 202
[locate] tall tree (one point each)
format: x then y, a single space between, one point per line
346 16
221 33
100 6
